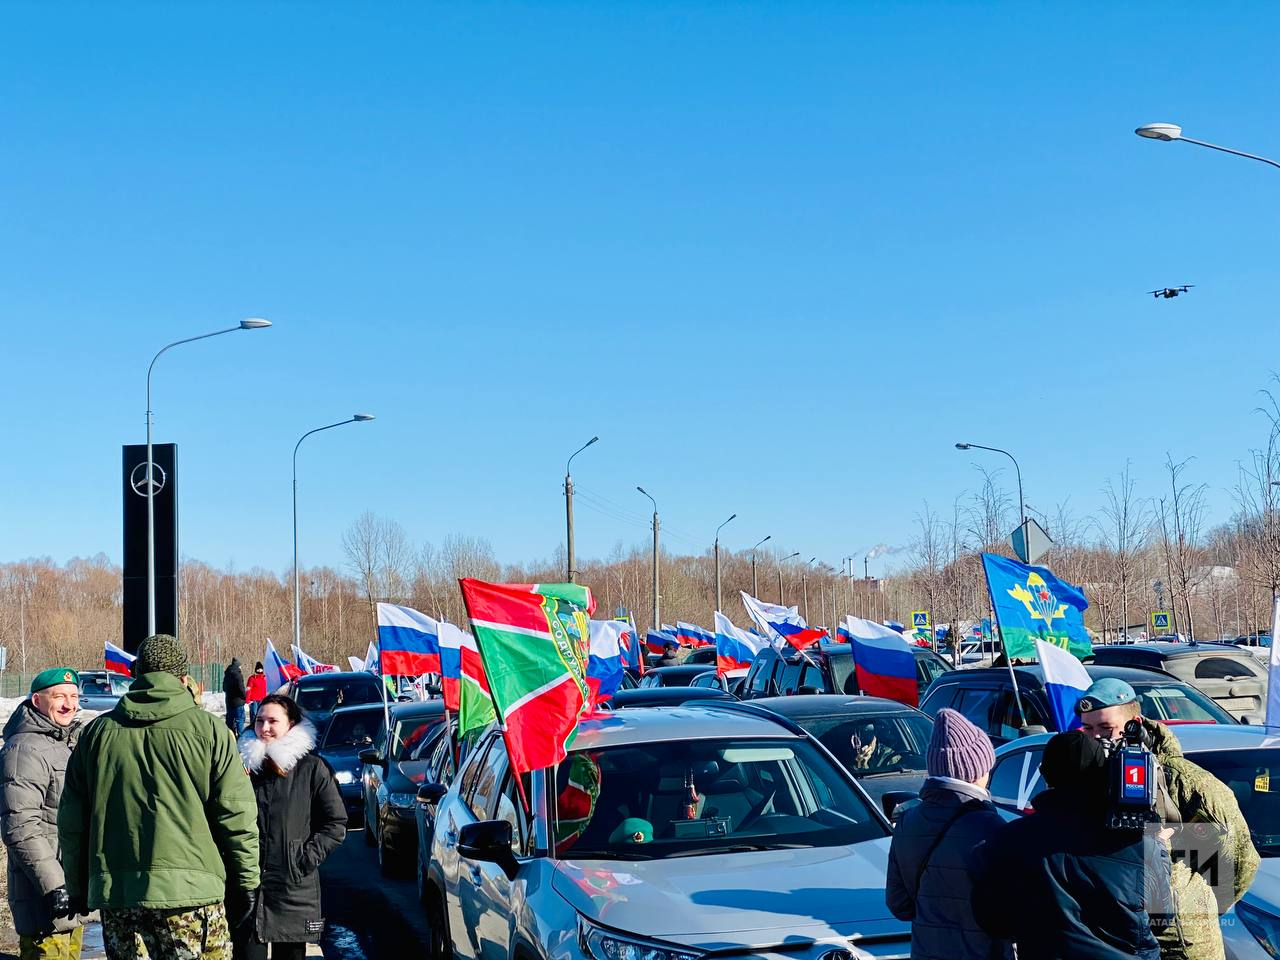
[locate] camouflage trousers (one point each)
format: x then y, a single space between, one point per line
199 933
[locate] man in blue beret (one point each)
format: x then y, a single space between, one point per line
1188 794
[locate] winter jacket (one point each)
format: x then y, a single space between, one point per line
157 811
233 688
301 820
256 688
1200 798
1061 885
33 765
957 817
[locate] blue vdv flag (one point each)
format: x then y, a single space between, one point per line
1032 604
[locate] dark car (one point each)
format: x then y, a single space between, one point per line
665 696
985 696
678 676
700 655
319 694
824 668
1232 677
438 773
881 742
349 731
731 682
392 774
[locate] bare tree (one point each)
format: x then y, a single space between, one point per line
1181 521
1123 533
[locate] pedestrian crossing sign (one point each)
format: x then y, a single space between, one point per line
1160 620
920 619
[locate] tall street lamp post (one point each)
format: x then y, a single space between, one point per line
717 552
568 507
657 609
297 590
804 586
252 323
1171 131
782 602
755 584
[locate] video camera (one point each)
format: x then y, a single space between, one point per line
1132 776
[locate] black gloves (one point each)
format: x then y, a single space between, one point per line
241 905
58 902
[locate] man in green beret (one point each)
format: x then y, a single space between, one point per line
38 740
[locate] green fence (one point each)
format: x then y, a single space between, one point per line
209 676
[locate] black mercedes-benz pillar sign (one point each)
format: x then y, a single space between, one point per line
164 479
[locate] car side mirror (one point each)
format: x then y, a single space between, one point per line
1248 719
371 757
808 691
894 799
432 792
489 841
1031 729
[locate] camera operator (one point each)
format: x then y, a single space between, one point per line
1186 794
1059 882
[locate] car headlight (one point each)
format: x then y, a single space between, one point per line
1264 926
344 776
607 945
401 800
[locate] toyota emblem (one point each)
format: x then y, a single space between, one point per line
138 479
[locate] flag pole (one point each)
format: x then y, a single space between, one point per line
1013 677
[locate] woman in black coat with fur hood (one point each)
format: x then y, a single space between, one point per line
301 820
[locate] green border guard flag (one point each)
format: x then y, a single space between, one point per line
1032 604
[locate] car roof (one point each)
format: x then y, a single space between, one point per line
654 696
357 708
416 708
1193 738
360 676
1033 671
832 705
1169 649
630 726
681 668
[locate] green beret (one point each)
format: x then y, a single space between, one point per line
54 676
632 830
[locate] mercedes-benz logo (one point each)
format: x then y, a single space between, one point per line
839 953
138 479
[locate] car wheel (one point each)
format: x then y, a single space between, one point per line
439 945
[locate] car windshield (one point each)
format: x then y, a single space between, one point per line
328 695
96 686
356 729
843 679
869 744
411 734
653 801
1178 703
1254 777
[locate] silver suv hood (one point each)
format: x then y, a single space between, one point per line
756 899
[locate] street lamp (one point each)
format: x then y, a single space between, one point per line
297 591
804 586
568 505
781 601
755 584
657 619
718 529
1022 509
252 323
1171 131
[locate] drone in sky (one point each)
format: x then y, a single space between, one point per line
1170 292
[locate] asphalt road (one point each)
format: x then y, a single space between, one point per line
369 916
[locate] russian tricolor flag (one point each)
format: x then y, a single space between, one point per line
843 635
692 635
656 640
632 655
883 662
785 623
452 640
117 660
604 663
309 664
408 641
735 648
277 669
1065 681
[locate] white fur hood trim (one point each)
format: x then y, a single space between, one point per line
284 753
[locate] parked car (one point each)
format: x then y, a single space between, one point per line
1242 757
824 668
100 690
1258 644
678 676
667 833
319 694
703 655
730 681
1232 677
664 696
985 696
350 730
391 774
440 768
849 725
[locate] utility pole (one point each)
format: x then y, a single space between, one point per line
755 583
717 552
568 509
657 600
804 586
781 599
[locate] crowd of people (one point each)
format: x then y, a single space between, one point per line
185 841
1066 881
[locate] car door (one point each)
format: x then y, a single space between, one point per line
1015 779
454 872
372 776
481 913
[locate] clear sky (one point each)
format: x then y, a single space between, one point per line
778 256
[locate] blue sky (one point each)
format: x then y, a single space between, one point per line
779 256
